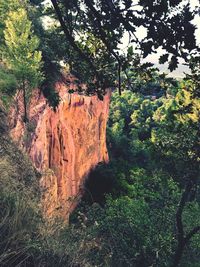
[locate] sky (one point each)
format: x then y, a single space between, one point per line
179 72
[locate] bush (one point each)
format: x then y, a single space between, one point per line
19 217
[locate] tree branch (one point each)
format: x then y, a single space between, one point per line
181 238
103 37
179 212
71 39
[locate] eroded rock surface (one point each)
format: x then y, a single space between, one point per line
64 145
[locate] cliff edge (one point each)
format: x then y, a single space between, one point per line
64 145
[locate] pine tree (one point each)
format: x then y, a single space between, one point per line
21 54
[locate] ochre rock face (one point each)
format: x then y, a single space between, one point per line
64 145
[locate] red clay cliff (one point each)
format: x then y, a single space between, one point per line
64 145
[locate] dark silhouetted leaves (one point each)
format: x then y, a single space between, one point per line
163 58
173 64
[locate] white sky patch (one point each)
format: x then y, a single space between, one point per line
154 57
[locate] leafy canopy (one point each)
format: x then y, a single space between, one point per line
21 55
169 24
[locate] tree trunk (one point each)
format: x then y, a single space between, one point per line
178 255
25 104
183 238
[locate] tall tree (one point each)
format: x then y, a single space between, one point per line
21 54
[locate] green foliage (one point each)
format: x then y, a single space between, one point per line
177 137
5 8
153 134
21 55
144 78
19 218
154 152
20 214
134 230
8 82
21 44
8 85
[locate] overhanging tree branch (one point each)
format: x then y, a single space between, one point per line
103 37
69 37
109 21
71 40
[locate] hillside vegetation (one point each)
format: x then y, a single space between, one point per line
133 207
143 208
